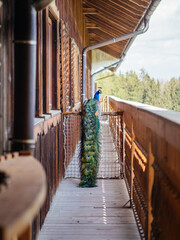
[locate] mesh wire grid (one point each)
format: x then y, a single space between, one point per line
109 161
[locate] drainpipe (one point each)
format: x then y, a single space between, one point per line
92 75
25 73
105 43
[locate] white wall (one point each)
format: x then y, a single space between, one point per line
101 59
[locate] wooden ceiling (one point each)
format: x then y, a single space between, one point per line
106 19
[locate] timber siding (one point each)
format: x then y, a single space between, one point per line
64 63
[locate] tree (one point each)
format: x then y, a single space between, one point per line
142 89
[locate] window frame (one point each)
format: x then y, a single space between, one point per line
42 84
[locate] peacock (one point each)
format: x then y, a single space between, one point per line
90 142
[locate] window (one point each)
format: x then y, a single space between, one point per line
48 84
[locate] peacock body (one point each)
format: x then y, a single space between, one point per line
90 145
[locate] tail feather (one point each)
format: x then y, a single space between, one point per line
90 145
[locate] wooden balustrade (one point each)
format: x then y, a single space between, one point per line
22 193
56 137
48 134
150 159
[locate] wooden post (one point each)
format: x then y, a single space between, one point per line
150 185
132 160
39 98
58 67
45 62
123 146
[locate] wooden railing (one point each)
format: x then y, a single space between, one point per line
22 193
150 161
56 136
48 135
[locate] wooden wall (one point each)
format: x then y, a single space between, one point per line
151 165
69 39
71 11
61 24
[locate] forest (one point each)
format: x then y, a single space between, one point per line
141 88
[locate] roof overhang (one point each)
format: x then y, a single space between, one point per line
106 19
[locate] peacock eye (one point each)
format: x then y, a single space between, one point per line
88 155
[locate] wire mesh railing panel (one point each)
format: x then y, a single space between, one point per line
72 143
109 162
109 166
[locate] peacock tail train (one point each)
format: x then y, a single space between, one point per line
89 145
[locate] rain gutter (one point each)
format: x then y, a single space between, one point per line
144 20
105 43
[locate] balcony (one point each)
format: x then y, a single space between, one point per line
137 194
138 168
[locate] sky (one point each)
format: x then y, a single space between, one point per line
158 50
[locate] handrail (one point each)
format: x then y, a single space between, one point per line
22 197
166 123
150 153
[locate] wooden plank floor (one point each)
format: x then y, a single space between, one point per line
90 213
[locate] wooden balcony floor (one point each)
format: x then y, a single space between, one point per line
90 213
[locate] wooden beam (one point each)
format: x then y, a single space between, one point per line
111 113
109 32
111 52
92 35
93 42
100 38
102 32
72 113
119 23
90 11
91 25
150 184
117 13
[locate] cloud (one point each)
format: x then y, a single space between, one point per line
158 50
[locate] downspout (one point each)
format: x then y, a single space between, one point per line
105 43
25 73
92 75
